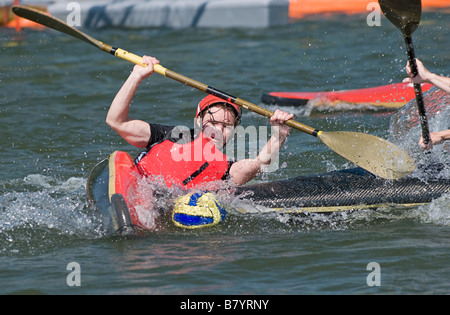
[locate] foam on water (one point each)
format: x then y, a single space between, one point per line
43 210
437 212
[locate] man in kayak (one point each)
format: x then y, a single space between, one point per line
217 119
425 76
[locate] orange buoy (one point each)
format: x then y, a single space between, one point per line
17 22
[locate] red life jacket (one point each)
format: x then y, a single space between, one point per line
186 165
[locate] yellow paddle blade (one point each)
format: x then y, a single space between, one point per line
371 153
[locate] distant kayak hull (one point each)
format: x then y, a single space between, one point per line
388 97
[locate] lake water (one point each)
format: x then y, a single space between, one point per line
54 96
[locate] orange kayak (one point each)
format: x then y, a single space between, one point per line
390 96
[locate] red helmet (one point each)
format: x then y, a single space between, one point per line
211 100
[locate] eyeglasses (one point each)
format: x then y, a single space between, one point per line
212 120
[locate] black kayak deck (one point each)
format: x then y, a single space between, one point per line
342 190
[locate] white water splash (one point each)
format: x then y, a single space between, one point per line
405 131
437 212
47 203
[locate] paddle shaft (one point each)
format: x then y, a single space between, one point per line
418 91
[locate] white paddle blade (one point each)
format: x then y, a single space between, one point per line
375 155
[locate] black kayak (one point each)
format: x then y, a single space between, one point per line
343 190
